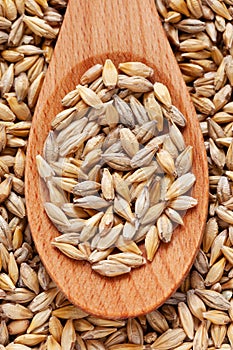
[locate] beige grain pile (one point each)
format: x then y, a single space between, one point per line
33 313
117 169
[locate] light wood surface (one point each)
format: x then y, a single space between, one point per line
94 30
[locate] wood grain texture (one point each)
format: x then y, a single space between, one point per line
94 30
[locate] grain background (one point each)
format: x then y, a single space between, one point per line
33 312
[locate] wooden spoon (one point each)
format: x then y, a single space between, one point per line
92 31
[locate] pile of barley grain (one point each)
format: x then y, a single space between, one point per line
116 171
34 314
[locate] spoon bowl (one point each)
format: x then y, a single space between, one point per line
123 31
